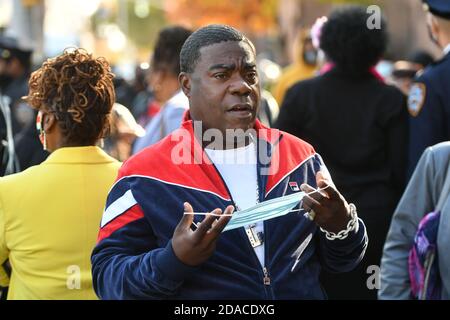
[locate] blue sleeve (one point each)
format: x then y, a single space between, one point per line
127 262
341 255
426 122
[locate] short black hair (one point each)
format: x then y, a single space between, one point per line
348 41
167 49
206 36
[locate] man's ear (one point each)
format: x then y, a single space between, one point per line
433 24
185 83
49 122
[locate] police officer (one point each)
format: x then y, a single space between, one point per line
20 146
429 97
15 66
14 70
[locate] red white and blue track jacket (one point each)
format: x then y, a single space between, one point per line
134 258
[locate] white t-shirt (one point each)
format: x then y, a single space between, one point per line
238 169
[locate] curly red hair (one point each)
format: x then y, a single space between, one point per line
79 90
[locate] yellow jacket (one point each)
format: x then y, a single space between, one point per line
295 72
49 221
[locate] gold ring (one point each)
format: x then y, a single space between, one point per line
311 215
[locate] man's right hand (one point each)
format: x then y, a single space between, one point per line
195 247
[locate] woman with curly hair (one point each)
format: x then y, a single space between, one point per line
49 213
359 126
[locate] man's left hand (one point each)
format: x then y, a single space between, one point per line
331 209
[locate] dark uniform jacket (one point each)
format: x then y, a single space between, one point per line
429 108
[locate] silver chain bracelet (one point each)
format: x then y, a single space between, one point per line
352 225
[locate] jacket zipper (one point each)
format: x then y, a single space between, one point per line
266 276
266 279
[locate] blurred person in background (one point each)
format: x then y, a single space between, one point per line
144 94
28 148
124 130
359 126
15 67
21 147
9 161
163 80
145 106
304 66
269 108
429 97
424 206
124 90
49 213
404 71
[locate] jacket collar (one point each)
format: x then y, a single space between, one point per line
267 142
90 154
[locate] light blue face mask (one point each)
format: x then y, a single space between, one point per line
264 211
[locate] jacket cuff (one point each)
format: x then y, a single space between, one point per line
170 266
353 238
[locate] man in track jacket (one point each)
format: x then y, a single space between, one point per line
149 249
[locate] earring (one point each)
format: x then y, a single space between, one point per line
40 129
44 140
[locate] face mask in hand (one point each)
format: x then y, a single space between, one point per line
264 211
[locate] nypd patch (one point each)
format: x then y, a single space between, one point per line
416 98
